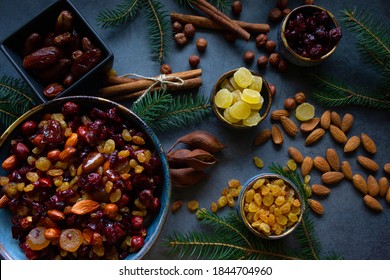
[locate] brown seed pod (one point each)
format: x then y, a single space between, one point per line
198 159
277 135
186 177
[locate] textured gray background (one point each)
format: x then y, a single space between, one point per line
347 228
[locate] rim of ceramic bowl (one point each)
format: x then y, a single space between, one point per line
217 86
159 219
248 185
287 46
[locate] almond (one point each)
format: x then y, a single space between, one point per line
347 170
386 168
346 122
359 183
321 164
310 125
262 137
368 163
352 144
307 165
52 233
56 215
316 206
325 119
372 186
335 119
72 140
333 159
9 163
337 134
4 201
383 186
368 143
277 135
84 207
332 177
372 203
314 136
320 190
66 154
277 114
295 154
289 126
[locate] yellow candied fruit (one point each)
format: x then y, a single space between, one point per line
250 96
257 83
240 110
223 98
227 85
236 95
243 77
227 115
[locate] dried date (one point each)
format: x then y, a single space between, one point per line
85 62
42 58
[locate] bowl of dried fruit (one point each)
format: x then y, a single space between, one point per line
241 98
309 35
81 178
271 206
58 53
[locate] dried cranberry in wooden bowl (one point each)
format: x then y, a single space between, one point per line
81 178
308 35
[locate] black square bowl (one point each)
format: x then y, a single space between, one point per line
44 23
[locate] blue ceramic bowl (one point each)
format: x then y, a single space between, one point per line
249 184
9 247
44 23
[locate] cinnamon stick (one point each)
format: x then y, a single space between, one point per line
204 22
188 84
221 18
141 84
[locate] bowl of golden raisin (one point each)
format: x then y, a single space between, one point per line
241 98
271 206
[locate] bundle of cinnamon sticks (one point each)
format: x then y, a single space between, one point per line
122 88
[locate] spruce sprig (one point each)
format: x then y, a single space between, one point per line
15 99
163 112
121 14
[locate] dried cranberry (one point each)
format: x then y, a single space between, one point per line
322 17
29 128
137 222
154 207
137 242
316 51
335 34
70 109
320 32
113 115
52 133
98 114
90 182
145 197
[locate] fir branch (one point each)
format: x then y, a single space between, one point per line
333 93
121 14
158 28
15 99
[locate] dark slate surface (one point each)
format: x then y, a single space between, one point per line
347 228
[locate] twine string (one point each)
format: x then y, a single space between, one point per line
162 80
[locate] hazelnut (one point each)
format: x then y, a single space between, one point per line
274 59
201 44
29 128
262 61
236 8
261 40
286 11
177 27
110 210
282 66
275 14
166 69
300 97
249 56
281 4
194 60
270 46
180 39
290 103
189 30
272 89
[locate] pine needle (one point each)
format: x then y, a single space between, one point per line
121 14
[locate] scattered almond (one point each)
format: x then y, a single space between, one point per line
310 125
332 177
320 190
333 159
72 140
383 186
386 168
295 154
368 163
346 122
289 126
372 203
337 134
277 114
262 137
360 183
84 207
321 164
347 170
4 201
56 215
307 165
277 135
335 119
368 143
352 144
325 119
372 186
316 206
314 136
